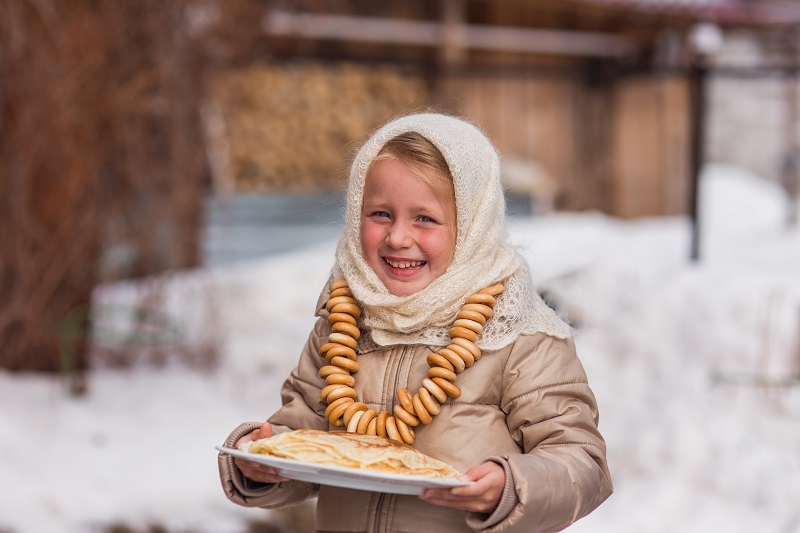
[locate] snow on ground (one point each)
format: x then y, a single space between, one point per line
695 366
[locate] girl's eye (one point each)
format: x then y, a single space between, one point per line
382 214
425 219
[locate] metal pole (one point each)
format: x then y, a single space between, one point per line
697 108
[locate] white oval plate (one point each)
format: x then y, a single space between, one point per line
342 476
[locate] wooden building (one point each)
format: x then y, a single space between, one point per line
594 96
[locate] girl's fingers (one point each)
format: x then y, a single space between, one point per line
265 431
259 472
250 437
482 495
484 479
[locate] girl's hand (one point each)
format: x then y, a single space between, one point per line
258 471
482 496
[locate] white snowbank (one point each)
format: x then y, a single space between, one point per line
687 361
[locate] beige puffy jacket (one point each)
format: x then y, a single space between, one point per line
527 406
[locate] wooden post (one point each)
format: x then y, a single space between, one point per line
790 170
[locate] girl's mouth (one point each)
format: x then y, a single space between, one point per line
403 264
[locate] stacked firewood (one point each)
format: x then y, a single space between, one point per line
295 128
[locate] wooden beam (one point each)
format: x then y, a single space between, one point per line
560 42
426 33
346 28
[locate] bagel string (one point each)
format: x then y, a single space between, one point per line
345 411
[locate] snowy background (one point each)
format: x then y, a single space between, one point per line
695 366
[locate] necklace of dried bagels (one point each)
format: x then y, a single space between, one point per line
344 409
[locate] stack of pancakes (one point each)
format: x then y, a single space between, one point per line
339 448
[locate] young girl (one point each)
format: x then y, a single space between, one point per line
445 307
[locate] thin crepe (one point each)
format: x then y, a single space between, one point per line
351 450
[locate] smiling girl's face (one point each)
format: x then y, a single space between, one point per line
407 228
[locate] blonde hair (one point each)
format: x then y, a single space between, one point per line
424 160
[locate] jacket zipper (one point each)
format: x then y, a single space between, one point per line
378 527
396 382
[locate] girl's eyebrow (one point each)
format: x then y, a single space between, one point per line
373 204
379 203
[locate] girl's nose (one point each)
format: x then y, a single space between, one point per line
399 236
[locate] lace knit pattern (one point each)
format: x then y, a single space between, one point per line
482 254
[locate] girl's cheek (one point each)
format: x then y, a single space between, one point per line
370 236
439 245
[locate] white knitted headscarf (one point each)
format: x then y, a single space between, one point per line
482 254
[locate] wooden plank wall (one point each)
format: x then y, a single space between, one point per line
650 149
622 149
526 118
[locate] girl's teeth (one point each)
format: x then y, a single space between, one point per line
405 264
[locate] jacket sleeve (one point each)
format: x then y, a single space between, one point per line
562 474
301 408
